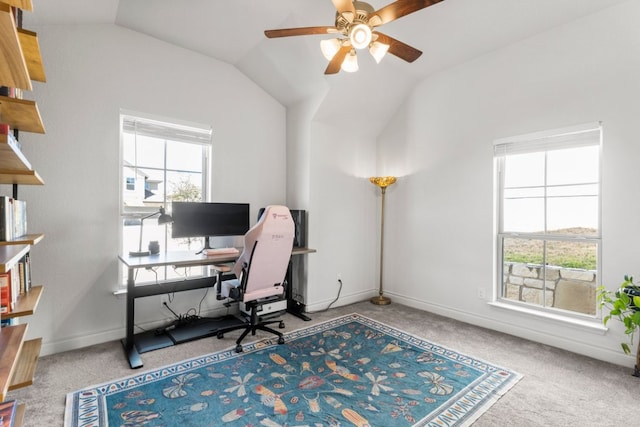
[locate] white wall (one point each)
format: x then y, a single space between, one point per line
441 141
93 71
342 217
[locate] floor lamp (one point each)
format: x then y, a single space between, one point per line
383 182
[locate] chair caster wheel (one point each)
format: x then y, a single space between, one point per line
281 340
220 335
281 325
238 348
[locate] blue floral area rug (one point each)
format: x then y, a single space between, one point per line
350 371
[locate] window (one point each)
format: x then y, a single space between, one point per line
161 161
549 219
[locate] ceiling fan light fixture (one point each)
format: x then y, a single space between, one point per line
378 51
350 63
329 48
360 36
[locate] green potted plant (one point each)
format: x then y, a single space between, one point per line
624 305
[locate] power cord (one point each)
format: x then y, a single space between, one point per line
337 297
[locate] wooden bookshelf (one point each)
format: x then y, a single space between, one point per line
13 71
26 304
20 63
21 114
19 418
20 177
22 4
11 343
31 51
28 239
11 157
26 365
10 255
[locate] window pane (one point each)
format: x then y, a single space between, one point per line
523 215
184 157
184 186
523 270
573 166
150 152
571 275
524 170
572 215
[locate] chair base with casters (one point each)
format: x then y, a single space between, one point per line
254 324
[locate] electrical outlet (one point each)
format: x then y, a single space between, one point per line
482 293
339 276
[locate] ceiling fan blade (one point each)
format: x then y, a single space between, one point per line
302 31
398 9
343 6
398 48
336 61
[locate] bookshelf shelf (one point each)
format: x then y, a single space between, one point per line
31 50
27 363
11 156
21 114
10 255
20 177
11 343
21 4
27 303
13 71
29 239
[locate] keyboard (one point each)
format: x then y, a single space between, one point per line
221 251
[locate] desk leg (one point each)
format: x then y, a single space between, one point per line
135 361
293 306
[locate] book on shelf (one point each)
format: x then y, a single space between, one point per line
13 218
5 293
14 283
8 413
8 322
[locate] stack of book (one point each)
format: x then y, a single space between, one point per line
13 283
13 218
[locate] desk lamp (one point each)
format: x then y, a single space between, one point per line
162 219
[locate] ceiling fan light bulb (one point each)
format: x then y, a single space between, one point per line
378 51
329 48
350 63
360 36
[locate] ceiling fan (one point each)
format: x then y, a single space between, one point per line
355 27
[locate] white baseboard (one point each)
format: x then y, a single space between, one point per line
116 334
600 353
343 300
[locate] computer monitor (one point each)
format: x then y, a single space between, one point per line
208 219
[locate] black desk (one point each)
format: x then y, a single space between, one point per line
176 259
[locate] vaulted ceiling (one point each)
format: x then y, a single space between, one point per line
292 69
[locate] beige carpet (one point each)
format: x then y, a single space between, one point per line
558 388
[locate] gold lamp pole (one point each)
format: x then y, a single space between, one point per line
383 182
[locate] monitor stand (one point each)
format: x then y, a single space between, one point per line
206 245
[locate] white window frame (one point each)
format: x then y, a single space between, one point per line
169 130
568 137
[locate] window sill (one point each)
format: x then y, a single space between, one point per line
594 326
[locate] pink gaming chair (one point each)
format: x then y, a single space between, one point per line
261 270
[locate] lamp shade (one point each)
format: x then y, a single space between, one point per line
164 218
378 51
329 48
350 63
383 181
